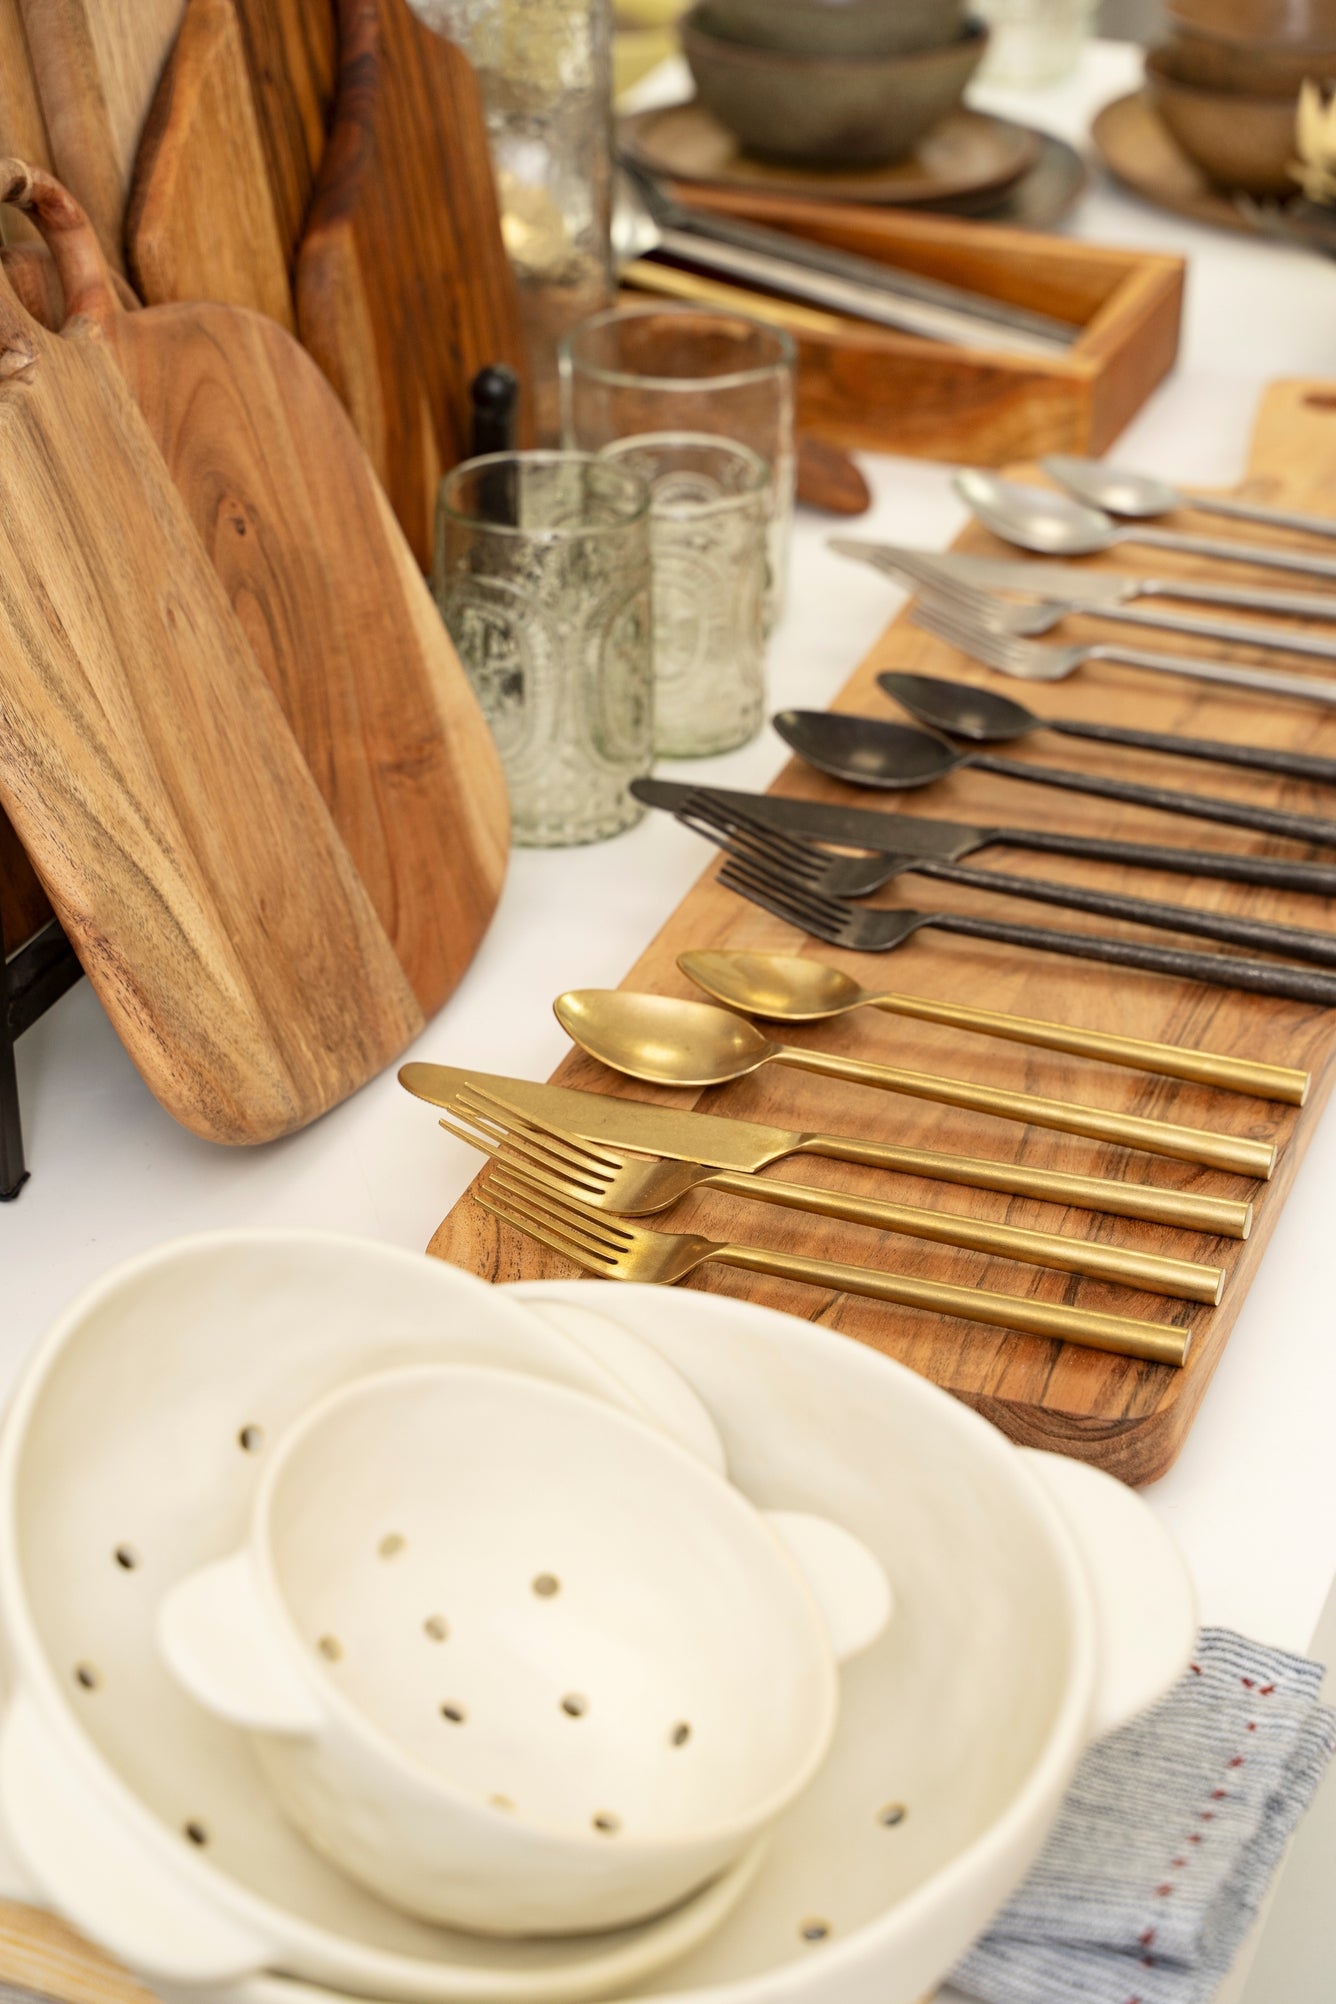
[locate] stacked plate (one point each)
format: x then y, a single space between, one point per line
277 1504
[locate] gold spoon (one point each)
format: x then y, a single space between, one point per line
675 1043
792 990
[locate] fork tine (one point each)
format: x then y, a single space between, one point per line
988 648
800 896
511 1153
725 825
533 1226
541 1137
595 1228
758 893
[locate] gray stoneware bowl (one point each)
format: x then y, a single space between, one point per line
832 111
840 27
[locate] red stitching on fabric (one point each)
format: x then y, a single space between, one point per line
1195 1668
1207 1816
1237 1761
1219 1795
1163 1892
1195 1838
1147 1938
1266 1690
1248 1683
1179 1863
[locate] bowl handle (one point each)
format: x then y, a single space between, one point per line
848 1583
1144 1599
218 1640
91 1865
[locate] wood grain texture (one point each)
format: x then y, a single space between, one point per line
152 779
97 64
1130 1418
227 163
22 127
281 495
404 290
860 385
44 1955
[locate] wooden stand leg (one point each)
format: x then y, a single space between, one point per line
13 1169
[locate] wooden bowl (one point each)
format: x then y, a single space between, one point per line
1242 142
838 111
839 28
1258 23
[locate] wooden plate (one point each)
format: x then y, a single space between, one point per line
1136 145
969 153
1046 193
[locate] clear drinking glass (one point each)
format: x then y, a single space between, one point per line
678 368
1034 42
708 516
542 575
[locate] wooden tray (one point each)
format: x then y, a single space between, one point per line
1126 1416
860 385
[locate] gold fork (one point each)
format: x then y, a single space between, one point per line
637 1186
621 1251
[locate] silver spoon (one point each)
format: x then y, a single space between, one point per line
1140 496
1034 518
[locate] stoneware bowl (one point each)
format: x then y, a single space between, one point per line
1037 1604
829 110
839 27
501 1645
1305 23
1241 143
1249 69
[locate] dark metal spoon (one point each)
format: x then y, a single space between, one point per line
867 751
986 718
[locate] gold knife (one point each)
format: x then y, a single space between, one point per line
749 1146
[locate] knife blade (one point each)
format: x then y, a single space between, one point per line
887 832
749 1146
1042 579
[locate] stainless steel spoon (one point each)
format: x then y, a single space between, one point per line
1035 518
866 751
986 718
1141 496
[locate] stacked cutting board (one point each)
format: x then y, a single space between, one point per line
240 760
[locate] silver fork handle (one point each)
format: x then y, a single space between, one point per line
1262 680
1271 518
1230 631
1234 553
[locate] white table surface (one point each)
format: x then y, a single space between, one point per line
1252 1497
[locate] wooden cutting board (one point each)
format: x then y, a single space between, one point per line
228 160
333 606
1129 1417
96 65
153 781
404 290
22 127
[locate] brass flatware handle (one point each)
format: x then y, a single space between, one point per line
1157 1274
1277 1082
1187 1144
1158 1343
1223 1216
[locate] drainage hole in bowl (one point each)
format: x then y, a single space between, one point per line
391 1545
606 1823
680 1734
545 1585
890 1814
87 1677
126 1557
330 1648
814 1930
195 1831
455 1712
437 1627
574 1705
251 1439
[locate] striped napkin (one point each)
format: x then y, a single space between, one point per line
1167 1840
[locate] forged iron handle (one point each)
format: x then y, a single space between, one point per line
1276 872
1312 828
1249 758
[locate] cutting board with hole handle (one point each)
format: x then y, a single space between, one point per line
151 776
403 287
228 159
338 617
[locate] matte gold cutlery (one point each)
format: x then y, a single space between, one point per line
749 1146
670 1042
632 1186
620 1251
788 989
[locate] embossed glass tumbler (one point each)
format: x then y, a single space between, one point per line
709 509
678 368
542 575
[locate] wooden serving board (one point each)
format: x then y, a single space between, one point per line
1126 1416
860 385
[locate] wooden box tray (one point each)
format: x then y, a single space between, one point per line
860 385
1126 1416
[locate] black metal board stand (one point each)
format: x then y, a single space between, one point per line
34 976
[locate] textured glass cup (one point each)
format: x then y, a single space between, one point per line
542 575
675 368
708 515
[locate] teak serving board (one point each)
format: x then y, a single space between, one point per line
861 385
1128 1417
